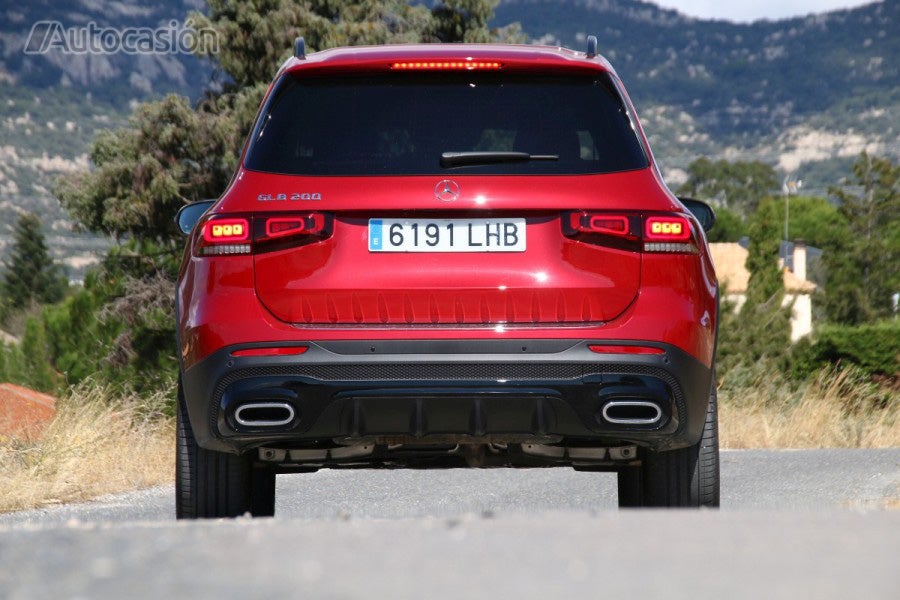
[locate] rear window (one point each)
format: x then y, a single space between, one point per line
401 124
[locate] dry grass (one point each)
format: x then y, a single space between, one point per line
92 447
95 447
836 409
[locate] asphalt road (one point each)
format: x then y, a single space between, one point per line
793 524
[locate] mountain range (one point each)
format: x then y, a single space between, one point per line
795 93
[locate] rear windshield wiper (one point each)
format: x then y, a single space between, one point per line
461 159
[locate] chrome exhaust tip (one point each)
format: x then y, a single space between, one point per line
264 414
632 412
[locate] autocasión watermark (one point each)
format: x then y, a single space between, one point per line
172 38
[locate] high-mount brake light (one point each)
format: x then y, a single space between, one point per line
447 65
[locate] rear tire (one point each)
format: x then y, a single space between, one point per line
688 477
211 484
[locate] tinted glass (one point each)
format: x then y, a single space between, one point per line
401 123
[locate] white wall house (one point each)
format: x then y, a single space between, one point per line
730 260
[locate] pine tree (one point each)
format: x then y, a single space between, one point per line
862 268
761 330
29 273
766 282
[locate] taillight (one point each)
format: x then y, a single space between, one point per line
617 225
668 233
222 236
279 227
226 230
667 229
226 235
605 229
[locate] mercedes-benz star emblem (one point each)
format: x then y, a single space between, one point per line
446 190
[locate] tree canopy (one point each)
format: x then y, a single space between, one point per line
739 186
258 35
815 220
729 226
172 153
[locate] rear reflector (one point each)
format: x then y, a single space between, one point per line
279 351
446 65
619 349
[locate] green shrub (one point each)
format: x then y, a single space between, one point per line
78 339
28 363
874 348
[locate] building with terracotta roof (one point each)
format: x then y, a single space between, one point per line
730 260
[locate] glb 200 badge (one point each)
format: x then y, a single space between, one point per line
287 197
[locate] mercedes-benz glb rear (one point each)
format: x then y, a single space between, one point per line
441 256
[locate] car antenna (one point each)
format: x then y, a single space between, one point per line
300 48
592 46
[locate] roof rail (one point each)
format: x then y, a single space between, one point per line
592 46
300 48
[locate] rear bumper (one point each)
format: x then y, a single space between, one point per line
545 391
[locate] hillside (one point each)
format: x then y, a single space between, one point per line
118 76
805 94
804 90
54 103
774 71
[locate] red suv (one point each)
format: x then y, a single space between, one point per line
445 256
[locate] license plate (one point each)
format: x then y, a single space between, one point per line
446 235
